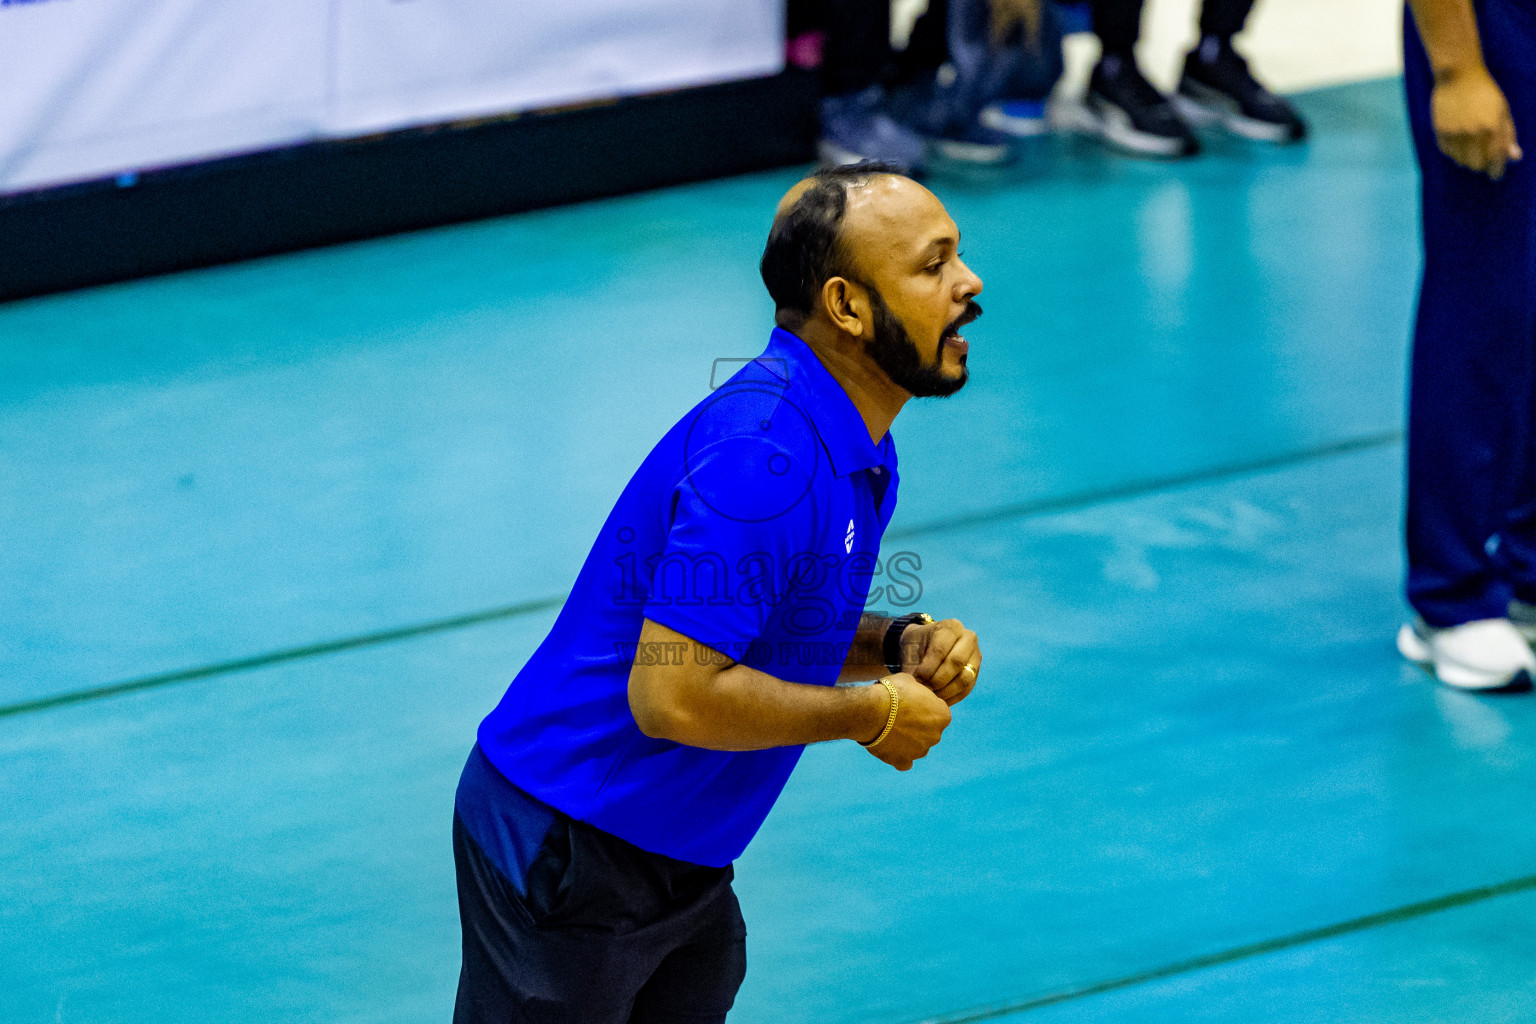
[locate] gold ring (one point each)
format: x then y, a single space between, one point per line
972 671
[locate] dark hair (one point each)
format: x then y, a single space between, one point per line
805 245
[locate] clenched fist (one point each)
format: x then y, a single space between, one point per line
944 656
921 719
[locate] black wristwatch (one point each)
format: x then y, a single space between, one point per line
891 648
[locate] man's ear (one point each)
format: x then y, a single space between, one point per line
847 305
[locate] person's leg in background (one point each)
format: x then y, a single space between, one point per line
1471 545
1125 108
962 55
1223 19
1512 59
1018 106
1218 88
1008 60
855 60
1117 23
857 54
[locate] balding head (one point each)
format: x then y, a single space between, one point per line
886 217
796 190
805 245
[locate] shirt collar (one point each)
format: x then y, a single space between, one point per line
823 399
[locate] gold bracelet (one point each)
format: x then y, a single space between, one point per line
890 720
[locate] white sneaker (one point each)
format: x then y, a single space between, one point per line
1488 654
1524 617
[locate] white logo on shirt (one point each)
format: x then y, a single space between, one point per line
848 540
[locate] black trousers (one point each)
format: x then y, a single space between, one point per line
1117 23
602 933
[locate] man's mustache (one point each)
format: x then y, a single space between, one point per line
972 311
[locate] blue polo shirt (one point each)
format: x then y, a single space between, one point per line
753 527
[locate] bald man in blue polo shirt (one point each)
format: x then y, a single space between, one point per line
716 628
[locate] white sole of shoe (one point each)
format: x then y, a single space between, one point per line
1412 646
979 153
1116 128
1070 115
1018 127
1417 650
833 155
1203 115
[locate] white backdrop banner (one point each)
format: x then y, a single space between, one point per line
94 88
419 61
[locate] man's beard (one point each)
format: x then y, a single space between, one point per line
893 351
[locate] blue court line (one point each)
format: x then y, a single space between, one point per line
1019 510
1359 924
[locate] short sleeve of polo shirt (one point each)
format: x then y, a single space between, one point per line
739 514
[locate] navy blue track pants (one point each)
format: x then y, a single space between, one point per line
1471 515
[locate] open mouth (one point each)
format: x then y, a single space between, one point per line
951 335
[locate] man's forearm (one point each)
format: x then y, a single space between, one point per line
1449 31
696 702
742 708
866 654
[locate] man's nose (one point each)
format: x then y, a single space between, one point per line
969 284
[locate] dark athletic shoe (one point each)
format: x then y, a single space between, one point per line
974 144
857 127
1217 88
1129 112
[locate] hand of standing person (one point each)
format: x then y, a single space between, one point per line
1472 122
1470 115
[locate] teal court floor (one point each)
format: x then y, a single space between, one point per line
274 536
